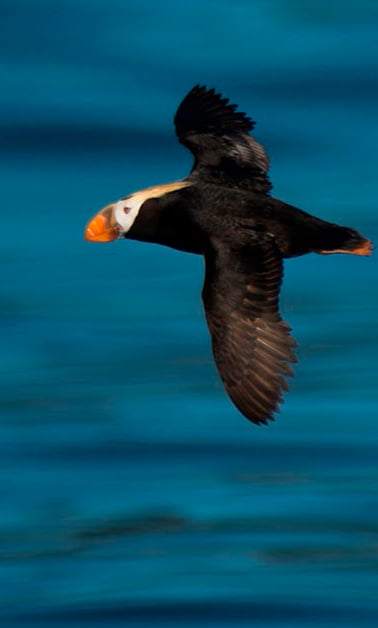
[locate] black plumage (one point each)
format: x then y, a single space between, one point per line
223 210
218 136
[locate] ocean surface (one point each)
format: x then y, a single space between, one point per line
132 492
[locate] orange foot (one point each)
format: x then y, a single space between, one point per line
365 249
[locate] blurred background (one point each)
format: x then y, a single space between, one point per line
132 491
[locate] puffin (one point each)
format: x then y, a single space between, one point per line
224 211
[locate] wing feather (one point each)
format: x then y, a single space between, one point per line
218 137
252 345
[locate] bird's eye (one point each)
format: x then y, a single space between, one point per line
127 210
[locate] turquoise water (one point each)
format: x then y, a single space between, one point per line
132 492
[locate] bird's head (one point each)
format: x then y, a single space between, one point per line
117 219
114 221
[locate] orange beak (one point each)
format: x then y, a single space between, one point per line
102 227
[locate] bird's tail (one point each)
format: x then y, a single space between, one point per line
336 239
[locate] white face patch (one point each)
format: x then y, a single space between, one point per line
127 209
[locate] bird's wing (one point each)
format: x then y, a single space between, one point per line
251 343
218 137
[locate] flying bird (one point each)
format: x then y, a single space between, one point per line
223 210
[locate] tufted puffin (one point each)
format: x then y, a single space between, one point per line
223 210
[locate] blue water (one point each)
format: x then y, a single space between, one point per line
132 492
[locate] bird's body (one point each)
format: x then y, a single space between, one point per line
224 211
191 217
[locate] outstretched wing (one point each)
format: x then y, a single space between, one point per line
218 136
252 345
